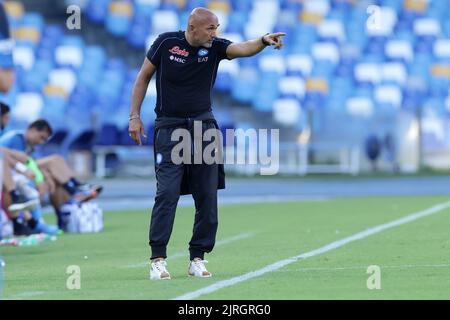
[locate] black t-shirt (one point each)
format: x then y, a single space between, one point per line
185 75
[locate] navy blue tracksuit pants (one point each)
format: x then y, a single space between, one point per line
202 182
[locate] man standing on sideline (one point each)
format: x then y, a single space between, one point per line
186 65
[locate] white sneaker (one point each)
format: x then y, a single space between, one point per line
197 268
158 270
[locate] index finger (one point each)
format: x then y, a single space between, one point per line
278 34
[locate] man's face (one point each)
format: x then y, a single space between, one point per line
36 137
205 31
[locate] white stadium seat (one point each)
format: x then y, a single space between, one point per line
300 62
292 85
69 56
359 106
164 21
64 78
24 57
427 27
326 51
332 29
388 94
399 49
442 48
287 111
368 72
272 63
28 106
317 6
393 71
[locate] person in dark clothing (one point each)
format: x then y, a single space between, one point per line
186 65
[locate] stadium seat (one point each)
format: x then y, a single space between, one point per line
442 48
427 27
68 55
97 10
292 86
64 78
317 85
394 73
287 111
326 51
299 64
55 144
164 21
244 84
320 7
28 107
367 72
272 62
255 25
15 12
388 94
109 135
24 57
119 18
82 141
360 107
331 30
399 49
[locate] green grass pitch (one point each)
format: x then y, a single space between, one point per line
414 258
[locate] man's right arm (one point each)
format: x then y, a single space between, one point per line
15 155
136 127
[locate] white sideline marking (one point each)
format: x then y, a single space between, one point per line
186 254
333 245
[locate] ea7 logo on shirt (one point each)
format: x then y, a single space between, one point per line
177 59
179 52
202 53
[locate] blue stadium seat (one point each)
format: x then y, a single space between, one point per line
84 141
240 5
244 85
33 19
118 26
236 21
97 10
109 135
55 144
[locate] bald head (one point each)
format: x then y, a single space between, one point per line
202 27
201 15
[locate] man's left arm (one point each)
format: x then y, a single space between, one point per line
251 47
